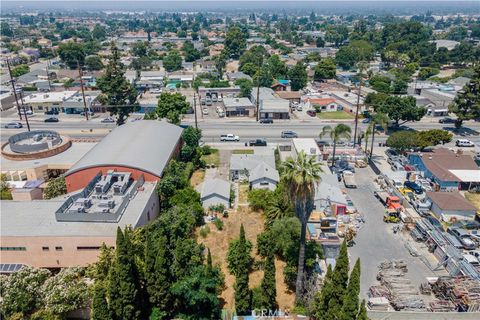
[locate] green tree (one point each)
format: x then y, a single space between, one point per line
20 70
340 282
100 309
5 30
298 76
157 272
21 291
245 87
277 67
356 51
466 105
99 32
323 296
239 264
320 43
124 283
350 306
189 51
118 94
171 106
5 193
401 108
55 187
403 140
433 137
268 285
72 53
93 63
325 69
235 42
172 61
190 149
427 72
301 175
339 132
140 49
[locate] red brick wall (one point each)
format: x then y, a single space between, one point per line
78 180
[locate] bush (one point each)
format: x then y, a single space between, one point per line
259 199
218 223
55 187
204 231
207 150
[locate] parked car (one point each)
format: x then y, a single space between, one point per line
90 113
14 125
367 120
312 113
51 112
391 153
229 137
343 165
464 237
299 107
28 112
295 105
435 223
266 120
205 111
51 119
257 143
289 134
108 120
446 120
464 143
413 186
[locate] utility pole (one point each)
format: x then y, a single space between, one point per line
356 112
83 91
195 109
258 100
24 111
13 87
48 76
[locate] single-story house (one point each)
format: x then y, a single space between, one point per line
214 192
238 107
449 170
280 85
308 146
448 205
243 165
263 177
271 106
329 197
325 104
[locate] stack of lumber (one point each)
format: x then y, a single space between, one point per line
463 292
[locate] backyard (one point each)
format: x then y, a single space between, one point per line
213 158
332 115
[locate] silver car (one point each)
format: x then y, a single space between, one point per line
14 125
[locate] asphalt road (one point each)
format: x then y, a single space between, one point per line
77 127
376 242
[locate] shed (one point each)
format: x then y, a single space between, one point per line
448 205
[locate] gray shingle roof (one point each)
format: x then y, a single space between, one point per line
145 145
215 186
263 170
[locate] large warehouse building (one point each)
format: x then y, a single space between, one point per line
113 185
140 147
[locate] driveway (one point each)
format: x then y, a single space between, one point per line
376 241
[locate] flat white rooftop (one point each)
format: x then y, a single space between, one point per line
37 218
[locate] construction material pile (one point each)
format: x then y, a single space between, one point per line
396 287
461 292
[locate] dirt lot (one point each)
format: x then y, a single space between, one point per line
474 198
218 242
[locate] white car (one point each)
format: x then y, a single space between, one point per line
205 111
156 91
464 143
299 108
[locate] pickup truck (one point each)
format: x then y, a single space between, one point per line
257 143
349 179
229 137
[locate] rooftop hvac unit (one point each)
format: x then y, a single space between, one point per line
106 210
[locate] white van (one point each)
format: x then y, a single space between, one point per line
464 143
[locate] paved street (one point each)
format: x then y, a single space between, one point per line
376 241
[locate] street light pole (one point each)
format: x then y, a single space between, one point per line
24 112
13 87
195 109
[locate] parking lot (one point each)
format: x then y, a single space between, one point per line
376 241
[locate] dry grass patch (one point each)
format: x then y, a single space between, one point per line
474 198
243 193
197 177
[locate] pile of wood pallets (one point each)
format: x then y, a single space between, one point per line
396 287
462 292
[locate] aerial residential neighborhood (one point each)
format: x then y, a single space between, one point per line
240 160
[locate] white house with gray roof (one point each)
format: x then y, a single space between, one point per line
214 192
258 169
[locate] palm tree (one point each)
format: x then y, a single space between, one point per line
339 132
362 66
301 175
380 119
